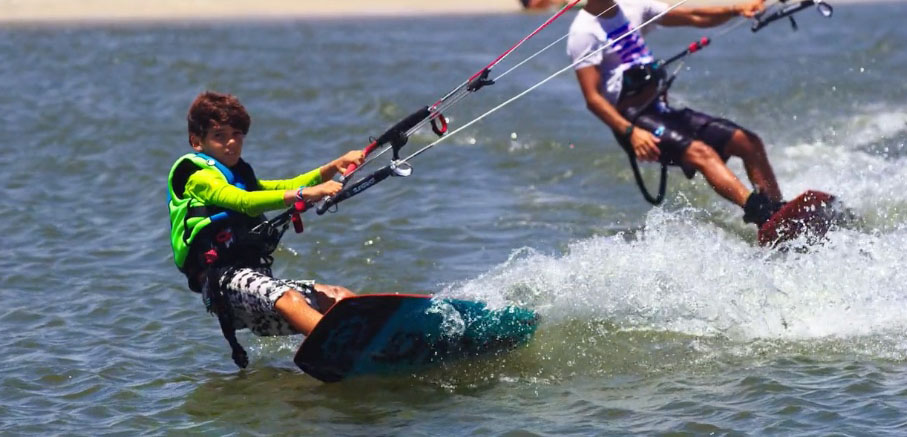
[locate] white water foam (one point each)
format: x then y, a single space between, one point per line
859 158
684 274
694 278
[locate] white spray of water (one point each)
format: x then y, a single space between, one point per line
687 275
853 160
694 278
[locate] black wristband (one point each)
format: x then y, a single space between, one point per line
629 131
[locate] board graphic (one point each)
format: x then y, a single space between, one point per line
387 333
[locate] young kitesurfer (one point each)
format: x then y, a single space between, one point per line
216 201
620 86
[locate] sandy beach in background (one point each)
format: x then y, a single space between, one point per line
76 10
38 11
118 10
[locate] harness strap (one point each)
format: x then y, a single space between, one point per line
216 302
663 180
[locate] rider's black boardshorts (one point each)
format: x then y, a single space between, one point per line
677 128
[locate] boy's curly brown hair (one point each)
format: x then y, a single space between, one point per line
211 108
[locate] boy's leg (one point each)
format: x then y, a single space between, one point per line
707 161
328 295
270 306
677 130
297 312
300 315
751 150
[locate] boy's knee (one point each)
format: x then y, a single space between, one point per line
343 293
745 144
291 297
700 155
335 291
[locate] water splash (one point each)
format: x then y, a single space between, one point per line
859 158
681 276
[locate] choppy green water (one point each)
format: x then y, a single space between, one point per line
666 321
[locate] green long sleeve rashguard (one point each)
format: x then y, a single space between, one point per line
210 186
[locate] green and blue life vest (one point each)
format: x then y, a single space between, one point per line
194 225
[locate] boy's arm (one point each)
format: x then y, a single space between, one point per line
644 143
710 16
329 170
317 176
210 186
589 80
306 179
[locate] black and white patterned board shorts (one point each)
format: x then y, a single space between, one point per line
252 294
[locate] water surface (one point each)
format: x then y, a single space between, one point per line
655 321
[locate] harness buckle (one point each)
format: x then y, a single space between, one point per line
210 257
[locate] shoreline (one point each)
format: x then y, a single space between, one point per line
119 11
63 11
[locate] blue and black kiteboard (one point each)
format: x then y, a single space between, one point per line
392 333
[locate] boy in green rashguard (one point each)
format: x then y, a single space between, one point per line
215 199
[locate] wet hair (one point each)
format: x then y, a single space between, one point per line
210 108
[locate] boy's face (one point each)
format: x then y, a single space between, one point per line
222 142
